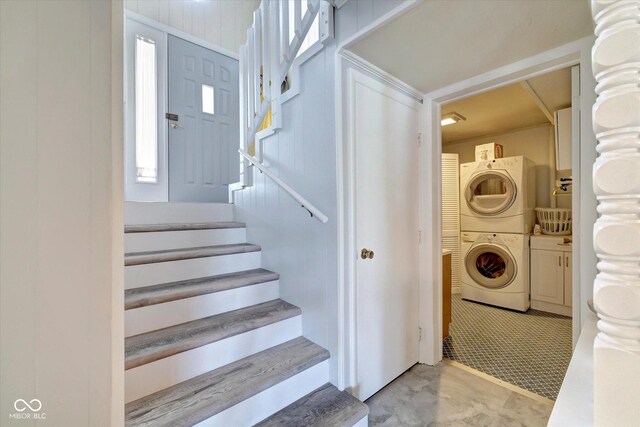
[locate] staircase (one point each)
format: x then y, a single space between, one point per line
208 341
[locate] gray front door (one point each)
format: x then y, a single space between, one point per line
204 140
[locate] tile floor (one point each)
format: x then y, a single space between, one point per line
446 395
531 350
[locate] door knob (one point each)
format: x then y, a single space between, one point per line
366 253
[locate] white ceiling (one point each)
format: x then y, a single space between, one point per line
440 42
508 108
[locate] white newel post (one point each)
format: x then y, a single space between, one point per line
616 182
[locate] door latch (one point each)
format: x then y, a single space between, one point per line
171 116
366 253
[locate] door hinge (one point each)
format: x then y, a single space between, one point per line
419 139
419 333
419 237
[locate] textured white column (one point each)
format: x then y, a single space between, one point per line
616 236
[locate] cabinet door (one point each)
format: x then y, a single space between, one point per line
563 139
568 288
547 276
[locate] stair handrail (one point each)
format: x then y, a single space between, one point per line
269 51
310 207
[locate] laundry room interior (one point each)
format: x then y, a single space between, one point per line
507 212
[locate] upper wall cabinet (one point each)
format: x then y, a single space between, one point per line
563 139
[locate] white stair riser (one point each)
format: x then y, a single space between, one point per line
163 373
162 272
267 402
363 422
155 241
165 213
152 317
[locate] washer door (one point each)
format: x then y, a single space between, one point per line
490 266
490 192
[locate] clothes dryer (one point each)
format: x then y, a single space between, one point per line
498 196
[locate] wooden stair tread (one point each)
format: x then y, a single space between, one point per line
325 406
157 294
137 258
199 398
150 346
151 228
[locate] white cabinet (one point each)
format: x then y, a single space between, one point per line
551 274
563 139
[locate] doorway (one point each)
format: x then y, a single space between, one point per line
181 118
510 318
382 124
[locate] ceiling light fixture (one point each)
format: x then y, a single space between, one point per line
451 118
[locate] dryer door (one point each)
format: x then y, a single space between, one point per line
490 266
490 192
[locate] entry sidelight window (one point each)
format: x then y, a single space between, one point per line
146 105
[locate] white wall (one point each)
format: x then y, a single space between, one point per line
303 154
61 205
535 143
221 22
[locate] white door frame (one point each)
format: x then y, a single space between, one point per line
583 202
163 149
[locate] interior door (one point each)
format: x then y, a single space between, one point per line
384 124
204 129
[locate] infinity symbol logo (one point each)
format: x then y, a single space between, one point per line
21 403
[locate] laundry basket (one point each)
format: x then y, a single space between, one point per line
554 221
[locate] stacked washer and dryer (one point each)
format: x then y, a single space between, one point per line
497 201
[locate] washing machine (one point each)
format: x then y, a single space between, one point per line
498 196
494 269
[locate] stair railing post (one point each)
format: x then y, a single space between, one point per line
616 183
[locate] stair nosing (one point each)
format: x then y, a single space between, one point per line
182 226
310 411
172 291
166 255
161 343
205 391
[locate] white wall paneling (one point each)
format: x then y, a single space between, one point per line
584 214
61 185
616 182
303 154
220 22
295 245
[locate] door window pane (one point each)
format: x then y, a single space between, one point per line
490 265
208 98
146 111
490 187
